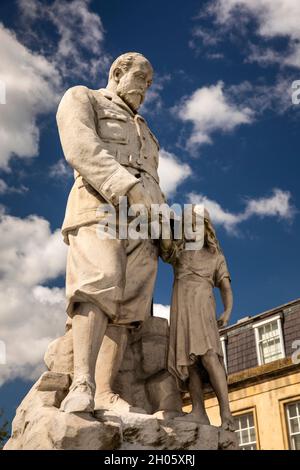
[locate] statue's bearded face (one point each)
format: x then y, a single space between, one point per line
133 84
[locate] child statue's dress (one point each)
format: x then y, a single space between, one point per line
193 324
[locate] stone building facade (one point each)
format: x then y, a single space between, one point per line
262 357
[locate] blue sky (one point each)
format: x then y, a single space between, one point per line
221 108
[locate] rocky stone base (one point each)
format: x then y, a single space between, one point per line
51 429
40 425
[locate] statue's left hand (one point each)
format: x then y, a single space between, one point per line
166 244
223 319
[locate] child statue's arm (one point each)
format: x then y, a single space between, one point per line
169 250
227 299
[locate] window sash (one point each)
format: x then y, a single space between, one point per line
294 436
246 431
269 340
270 349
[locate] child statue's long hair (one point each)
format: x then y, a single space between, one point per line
210 237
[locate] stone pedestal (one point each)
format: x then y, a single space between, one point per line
39 424
143 380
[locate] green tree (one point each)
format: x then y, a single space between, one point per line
3 429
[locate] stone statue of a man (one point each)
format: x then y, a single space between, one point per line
109 282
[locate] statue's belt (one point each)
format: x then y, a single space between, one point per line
137 162
133 161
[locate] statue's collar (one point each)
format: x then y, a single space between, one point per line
116 99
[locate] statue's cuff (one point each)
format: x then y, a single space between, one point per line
117 185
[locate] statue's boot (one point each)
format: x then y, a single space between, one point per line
80 397
108 364
113 402
89 324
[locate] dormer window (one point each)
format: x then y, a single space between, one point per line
269 340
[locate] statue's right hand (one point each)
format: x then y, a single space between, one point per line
138 195
166 244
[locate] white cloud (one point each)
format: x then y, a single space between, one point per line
210 110
31 315
171 172
215 55
218 215
274 19
32 84
60 170
206 36
33 81
28 322
278 204
79 49
3 186
153 101
261 97
29 252
162 311
5 189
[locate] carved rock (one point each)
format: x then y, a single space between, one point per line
38 425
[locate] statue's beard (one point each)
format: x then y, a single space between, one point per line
134 98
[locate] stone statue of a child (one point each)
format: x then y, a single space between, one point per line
194 336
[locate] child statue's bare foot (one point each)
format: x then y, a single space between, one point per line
195 417
228 422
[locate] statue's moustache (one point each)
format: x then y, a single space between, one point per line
135 92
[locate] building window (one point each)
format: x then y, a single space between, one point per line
293 420
245 429
269 340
